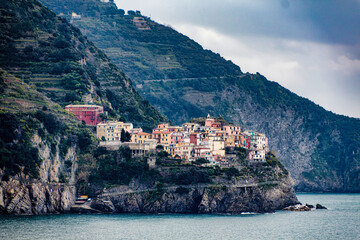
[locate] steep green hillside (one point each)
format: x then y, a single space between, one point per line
321 149
49 53
158 53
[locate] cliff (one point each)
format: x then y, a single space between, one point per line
174 188
210 199
321 149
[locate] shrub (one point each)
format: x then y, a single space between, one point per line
231 172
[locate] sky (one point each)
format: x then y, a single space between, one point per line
311 47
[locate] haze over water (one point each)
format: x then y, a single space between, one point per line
340 221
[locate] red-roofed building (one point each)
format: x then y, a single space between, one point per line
90 114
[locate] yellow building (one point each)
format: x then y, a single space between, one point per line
111 130
142 137
165 138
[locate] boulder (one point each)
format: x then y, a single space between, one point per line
101 205
319 206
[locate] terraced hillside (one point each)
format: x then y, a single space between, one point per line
47 52
143 53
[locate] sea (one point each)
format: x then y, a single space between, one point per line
340 221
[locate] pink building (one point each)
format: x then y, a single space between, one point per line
90 114
177 137
209 122
232 130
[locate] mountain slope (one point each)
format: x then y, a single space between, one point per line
46 63
321 149
48 52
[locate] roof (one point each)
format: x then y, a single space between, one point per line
157 132
82 106
143 133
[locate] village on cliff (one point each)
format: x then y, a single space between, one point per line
210 138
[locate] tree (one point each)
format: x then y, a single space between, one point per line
127 137
121 11
201 161
123 135
160 147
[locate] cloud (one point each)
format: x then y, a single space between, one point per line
309 47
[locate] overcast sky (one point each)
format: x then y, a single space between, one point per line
311 47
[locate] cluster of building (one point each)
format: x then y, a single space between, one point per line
190 142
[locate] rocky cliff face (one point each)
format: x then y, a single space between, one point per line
22 195
25 198
210 199
230 197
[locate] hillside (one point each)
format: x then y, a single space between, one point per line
49 53
179 77
45 63
47 157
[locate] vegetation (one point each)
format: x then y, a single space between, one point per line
15 156
118 167
125 136
47 52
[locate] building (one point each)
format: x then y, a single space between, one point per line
141 149
257 156
191 127
140 23
209 121
232 130
90 114
110 130
195 138
135 130
203 152
128 127
74 16
156 135
177 137
140 137
165 138
242 140
184 151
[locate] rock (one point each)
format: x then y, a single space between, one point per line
298 208
101 205
309 205
206 199
319 206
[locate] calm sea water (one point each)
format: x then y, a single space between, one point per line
340 221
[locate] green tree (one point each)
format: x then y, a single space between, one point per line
201 161
123 135
160 147
127 137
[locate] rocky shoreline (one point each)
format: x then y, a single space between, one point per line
195 200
